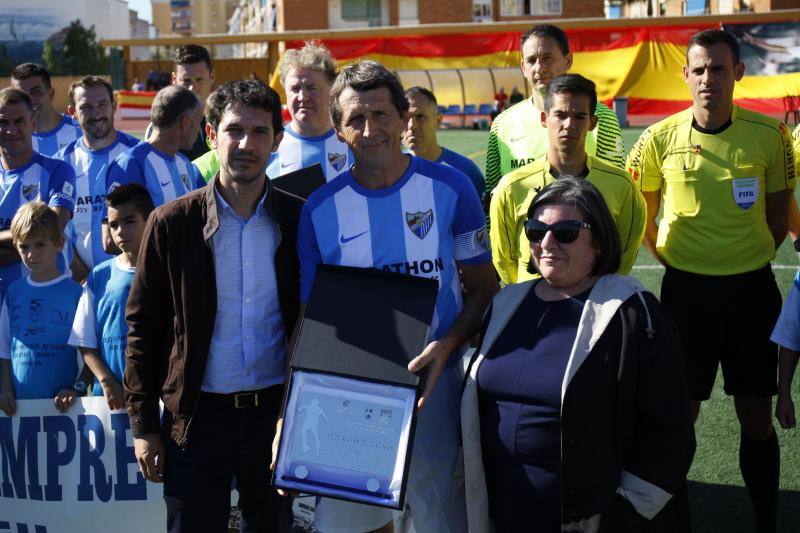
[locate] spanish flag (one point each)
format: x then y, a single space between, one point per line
134 104
643 63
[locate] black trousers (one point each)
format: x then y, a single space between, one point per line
225 444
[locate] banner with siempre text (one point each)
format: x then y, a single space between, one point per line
73 472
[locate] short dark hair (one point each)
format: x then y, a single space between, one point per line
366 75
571 84
89 81
253 93
583 195
422 91
192 53
10 95
708 38
134 194
549 31
170 104
31 70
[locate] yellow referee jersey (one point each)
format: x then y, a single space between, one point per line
796 136
517 138
713 189
511 250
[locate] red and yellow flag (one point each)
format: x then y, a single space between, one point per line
644 63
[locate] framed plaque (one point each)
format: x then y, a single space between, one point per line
350 401
346 438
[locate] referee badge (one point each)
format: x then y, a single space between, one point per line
745 192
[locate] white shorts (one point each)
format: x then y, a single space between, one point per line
434 496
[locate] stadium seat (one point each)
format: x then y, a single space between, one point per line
442 110
470 109
453 118
485 109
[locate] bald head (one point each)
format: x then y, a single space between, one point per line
170 104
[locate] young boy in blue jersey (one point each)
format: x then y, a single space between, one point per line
36 318
99 330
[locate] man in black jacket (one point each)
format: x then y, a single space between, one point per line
213 302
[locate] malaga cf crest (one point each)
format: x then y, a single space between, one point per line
30 192
186 183
420 222
337 161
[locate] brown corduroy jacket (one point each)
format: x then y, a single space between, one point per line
173 302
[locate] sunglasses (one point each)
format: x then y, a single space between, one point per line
565 231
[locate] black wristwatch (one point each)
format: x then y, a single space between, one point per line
80 387
797 244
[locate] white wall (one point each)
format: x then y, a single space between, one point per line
36 20
140 29
408 12
108 16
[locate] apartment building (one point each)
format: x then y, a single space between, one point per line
286 15
669 8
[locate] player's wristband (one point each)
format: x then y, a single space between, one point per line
80 387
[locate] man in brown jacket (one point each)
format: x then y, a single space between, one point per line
213 302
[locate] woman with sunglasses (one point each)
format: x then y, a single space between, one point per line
575 410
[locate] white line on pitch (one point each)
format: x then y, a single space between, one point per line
660 267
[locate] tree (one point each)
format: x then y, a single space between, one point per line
51 58
74 51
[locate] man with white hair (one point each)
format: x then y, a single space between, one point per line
307 75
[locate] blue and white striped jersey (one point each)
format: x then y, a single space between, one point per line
91 167
296 152
165 177
100 317
465 165
424 224
50 142
50 180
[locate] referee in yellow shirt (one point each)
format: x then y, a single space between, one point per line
794 211
569 115
725 176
